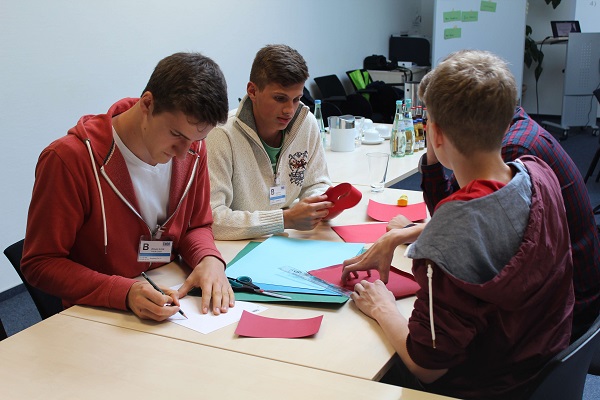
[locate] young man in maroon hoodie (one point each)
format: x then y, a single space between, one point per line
494 267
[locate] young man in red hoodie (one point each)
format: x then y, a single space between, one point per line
494 267
128 191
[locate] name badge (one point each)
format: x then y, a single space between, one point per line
277 195
155 250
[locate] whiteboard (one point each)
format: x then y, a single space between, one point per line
497 26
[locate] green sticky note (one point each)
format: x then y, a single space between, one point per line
470 16
452 16
452 33
488 6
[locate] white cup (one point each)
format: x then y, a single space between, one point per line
384 130
342 139
378 165
371 135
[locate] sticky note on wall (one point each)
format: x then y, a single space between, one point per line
452 33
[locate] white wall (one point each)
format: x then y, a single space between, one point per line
550 84
65 58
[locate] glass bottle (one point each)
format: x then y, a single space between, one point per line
319 117
409 129
398 107
397 138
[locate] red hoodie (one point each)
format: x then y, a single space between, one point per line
81 243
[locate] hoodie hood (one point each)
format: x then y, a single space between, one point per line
497 235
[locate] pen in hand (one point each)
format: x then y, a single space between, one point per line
146 277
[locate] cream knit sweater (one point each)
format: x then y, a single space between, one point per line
241 174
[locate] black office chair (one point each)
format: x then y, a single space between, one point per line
46 304
332 90
563 377
382 96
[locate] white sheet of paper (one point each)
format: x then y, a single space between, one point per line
207 323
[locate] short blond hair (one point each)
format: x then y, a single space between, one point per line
471 95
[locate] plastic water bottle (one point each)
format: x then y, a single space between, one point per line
397 138
409 128
319 117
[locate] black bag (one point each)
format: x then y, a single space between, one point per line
377 63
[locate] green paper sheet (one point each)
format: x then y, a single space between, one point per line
295 297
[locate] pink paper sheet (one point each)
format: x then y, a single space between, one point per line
385 212
253 325
400 283
362 233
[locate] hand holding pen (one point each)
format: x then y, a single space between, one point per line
146 277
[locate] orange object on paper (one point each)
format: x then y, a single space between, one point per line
403 201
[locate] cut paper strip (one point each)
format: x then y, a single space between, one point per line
400 283
343 197
385 212
362 233
252 325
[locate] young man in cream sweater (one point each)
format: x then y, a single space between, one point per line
268 155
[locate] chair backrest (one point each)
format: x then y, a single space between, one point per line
330 86
360 78
46 304
563 377
356 104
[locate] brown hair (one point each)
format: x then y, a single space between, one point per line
471 95
191 83
278 63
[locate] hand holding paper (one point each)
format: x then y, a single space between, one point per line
400 283
343 197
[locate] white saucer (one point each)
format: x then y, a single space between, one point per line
379 141
387 137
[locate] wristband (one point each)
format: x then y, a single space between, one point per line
408 226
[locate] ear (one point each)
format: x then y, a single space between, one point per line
252 90
437 135
147 103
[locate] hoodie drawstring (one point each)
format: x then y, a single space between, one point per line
89 147
430 282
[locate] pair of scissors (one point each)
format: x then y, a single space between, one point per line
244 284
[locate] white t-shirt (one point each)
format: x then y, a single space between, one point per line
151 184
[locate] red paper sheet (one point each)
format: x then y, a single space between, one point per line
400 283
253 325
385 212
363 233
343 196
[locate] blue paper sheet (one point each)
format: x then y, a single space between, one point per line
262 263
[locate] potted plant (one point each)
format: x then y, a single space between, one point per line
532 51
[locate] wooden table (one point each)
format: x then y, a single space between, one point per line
352 167
71 358
348 342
